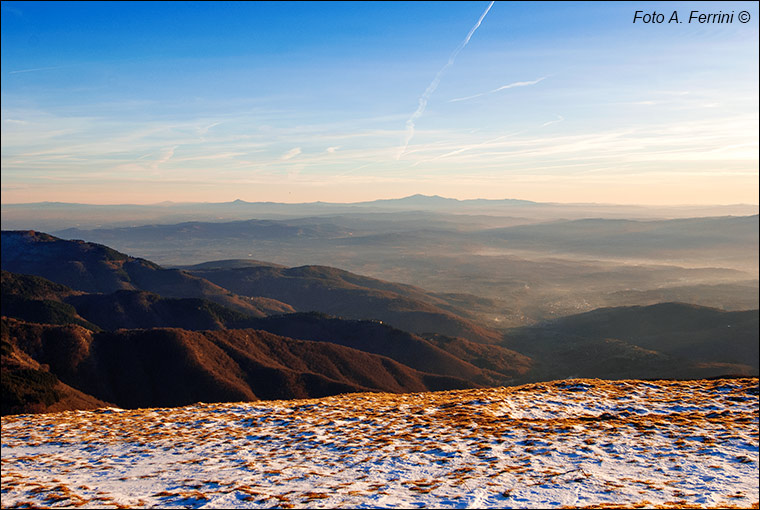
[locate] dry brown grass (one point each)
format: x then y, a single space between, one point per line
479 437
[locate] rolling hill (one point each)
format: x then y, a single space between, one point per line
258 290
110 339
673 238
93 268
126 309
532 267
171 367
51 216
665 340
466 360
341 293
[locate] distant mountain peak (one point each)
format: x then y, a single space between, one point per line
420 196
438 202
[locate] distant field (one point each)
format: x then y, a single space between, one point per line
573 443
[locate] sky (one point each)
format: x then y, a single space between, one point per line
144 102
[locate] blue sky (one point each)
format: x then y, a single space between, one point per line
190 101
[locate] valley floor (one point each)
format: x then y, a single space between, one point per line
573 443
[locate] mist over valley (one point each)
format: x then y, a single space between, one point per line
440 297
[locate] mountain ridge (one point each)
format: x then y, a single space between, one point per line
64 347
92 267
170 366
128 309
408 198
258 291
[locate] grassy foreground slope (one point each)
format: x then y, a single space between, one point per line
575 444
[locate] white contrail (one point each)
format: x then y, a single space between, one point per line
422 102
37 69
503 87
519 84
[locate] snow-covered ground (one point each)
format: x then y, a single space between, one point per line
562 444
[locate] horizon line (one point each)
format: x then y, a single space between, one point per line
169 203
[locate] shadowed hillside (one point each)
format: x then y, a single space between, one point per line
36 299
92 267
340 293
457 357
663 340
124 345
127 309
262 290
139 309
171 367
29 387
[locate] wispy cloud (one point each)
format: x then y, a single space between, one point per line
212 157
503 87
559 118
332 149
166 155
292 153
671 147
204 129
423 100
487 143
